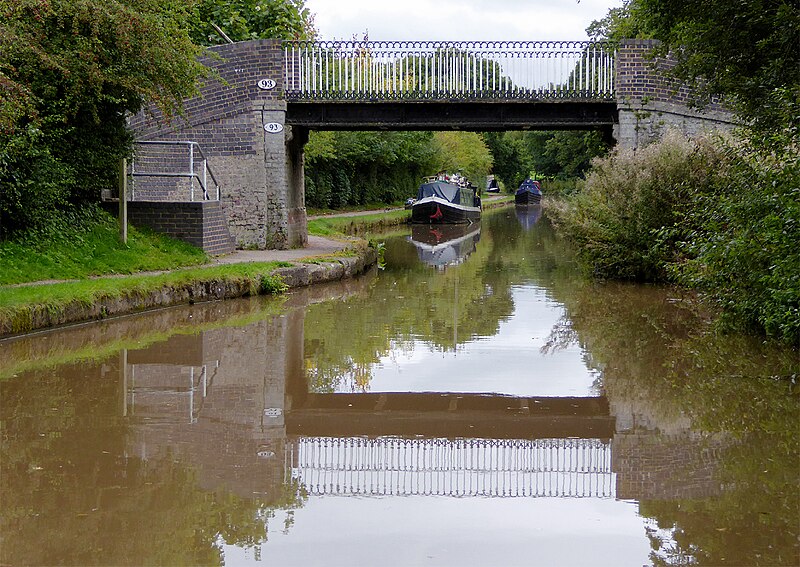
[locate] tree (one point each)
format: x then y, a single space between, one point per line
564 154
511 160
243 20
464 151
70 72
620 23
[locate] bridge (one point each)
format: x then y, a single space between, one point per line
253 117
447 85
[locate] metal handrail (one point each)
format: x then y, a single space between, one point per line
202 178
435 70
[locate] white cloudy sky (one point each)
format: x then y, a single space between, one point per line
472 20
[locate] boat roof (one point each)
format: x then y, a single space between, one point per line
530 185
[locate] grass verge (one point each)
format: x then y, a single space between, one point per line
26 308
86 243
357 225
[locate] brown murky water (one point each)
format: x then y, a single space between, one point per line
474 403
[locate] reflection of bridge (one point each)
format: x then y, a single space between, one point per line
452 467
237 406
449 415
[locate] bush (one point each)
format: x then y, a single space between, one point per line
742 247
630 214
36 184
716 216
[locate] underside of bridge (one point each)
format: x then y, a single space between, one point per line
480 116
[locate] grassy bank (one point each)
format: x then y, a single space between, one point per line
31 307
78 264
85 244
358 224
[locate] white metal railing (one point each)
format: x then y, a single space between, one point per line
168 170
452 467
425 70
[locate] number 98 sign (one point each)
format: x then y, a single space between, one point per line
273 127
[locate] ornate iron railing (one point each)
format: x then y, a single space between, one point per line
452 467
444 70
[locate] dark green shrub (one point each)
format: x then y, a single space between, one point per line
340 196
630 213
743 248
35 184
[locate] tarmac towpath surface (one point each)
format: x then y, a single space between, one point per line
317 246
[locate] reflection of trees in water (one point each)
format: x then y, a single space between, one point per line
561 337
659 354
408 302
412 302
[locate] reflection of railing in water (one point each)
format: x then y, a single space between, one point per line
452 467
166 394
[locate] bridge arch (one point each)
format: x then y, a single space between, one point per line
253 116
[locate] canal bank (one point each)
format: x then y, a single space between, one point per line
268 272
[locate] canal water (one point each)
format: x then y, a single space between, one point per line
474 402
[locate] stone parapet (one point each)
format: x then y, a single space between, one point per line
228 119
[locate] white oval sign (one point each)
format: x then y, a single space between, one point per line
273 127
267 84
273 412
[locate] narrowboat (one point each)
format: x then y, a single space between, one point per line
529 193
446 200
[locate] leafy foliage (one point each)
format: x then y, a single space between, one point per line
465 152
719 217
744 51
622 22
511 161
552 155
70 71
564 154
243 20
630 198
362 168
742 244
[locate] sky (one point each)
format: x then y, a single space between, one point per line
452 20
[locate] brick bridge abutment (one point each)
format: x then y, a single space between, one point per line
254 138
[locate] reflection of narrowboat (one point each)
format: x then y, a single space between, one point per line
529 193
444 201
528 215
445 245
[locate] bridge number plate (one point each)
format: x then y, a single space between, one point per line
273 127
267 84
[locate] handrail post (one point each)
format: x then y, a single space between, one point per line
205 184
123 200
191 171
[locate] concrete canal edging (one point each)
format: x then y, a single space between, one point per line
40 316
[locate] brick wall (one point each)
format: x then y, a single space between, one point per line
232 442
649 101
200 223
656 466
252 166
